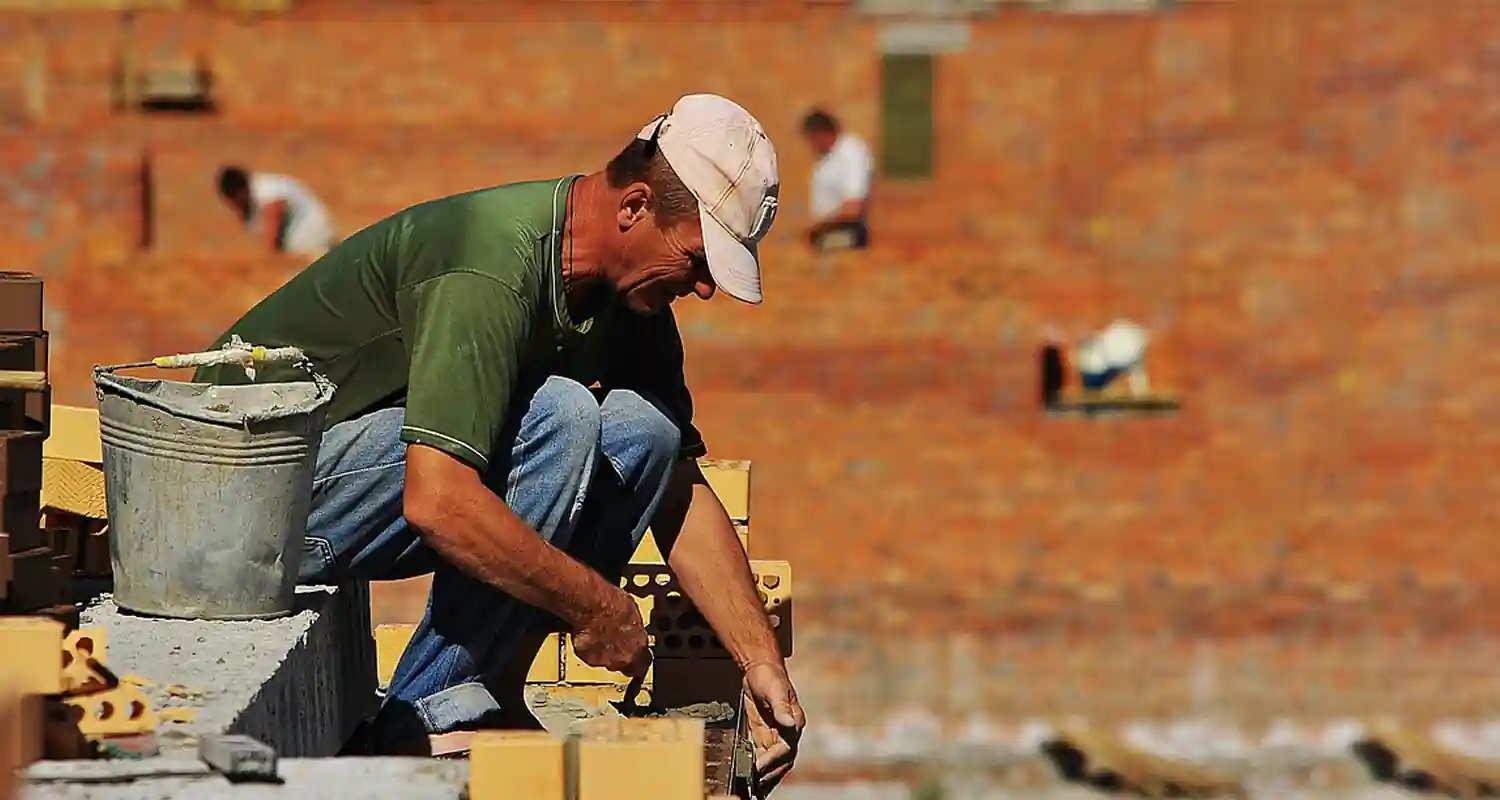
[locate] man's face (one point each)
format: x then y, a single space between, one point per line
663 265
820 141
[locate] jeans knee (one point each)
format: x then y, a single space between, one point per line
564 413
638 437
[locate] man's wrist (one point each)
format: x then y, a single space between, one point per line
760 659
590 604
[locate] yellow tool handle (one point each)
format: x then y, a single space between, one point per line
234 355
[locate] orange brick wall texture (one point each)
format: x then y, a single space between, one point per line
1300 205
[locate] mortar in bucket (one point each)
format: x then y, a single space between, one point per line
208 487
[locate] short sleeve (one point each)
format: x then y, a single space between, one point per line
647 357
465 333
855 170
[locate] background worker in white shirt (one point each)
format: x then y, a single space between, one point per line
282 207
1119 349
840 185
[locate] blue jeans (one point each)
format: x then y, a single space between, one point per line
1095 381
585 470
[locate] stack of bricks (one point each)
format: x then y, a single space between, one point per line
73 505
35 576
691 664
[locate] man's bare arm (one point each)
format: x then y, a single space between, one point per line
272 216
695 533
474 530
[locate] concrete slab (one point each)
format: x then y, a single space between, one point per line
300 684
185 779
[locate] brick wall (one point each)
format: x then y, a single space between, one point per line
1301 205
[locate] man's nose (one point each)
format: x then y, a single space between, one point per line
704 289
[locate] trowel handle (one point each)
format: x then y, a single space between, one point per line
237 351
232 355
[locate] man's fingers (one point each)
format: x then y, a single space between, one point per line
788 713
784 710
772 756
767 783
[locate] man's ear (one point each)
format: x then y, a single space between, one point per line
636 203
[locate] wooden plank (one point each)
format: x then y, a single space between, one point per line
25 380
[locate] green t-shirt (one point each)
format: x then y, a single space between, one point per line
450 307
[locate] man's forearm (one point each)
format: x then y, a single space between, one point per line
273 217
479 534
705 554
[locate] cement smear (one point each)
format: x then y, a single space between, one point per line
179 779
299 683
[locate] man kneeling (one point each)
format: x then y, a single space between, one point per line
511 414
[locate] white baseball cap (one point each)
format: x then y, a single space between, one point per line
724 157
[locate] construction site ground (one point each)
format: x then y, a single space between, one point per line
294 683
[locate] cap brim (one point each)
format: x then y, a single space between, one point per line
734 266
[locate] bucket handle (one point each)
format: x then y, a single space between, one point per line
235 351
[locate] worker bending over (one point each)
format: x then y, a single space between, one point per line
511 414
1119 349
280 208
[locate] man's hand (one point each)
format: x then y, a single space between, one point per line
776 723
615 638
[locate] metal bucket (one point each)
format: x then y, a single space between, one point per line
208 490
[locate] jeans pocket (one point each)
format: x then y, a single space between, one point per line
317 561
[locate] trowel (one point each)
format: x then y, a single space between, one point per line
626 705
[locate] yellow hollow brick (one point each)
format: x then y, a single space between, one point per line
650 553
547 668
80 646
391 641
730 480
73 486
641 759
519 764
677 628
683 682
124 709
74 435
575 671
33 664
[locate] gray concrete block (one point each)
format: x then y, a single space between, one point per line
178 779
300 684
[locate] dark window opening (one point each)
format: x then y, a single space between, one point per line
906 87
